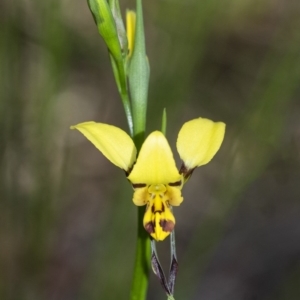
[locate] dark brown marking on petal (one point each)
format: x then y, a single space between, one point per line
138 185
152 208
158 211
167 225
149 227
185 171
177 183
129 169
162 207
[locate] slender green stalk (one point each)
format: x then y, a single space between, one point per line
142 261
138 83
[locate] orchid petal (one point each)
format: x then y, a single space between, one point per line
199 140
114 143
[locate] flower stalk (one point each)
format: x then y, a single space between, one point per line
138 77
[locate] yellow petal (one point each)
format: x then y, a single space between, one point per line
155 163
114 143
140 196
130 24
199 140
174 195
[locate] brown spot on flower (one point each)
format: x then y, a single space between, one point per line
152 208
177 183
149 227
138 185
167 225
185 171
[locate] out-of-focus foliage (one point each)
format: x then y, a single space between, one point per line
67 222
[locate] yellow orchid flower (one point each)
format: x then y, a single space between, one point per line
156 181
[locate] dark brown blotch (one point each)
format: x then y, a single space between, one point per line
177 183
152 208
138 185
186 172
150 227
167 225
158 209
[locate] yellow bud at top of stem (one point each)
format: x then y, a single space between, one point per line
130 25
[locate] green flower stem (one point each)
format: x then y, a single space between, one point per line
138 83
142 261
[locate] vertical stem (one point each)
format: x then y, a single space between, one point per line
142 261
138 83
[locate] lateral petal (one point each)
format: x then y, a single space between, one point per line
174 195
140 196
199 140
114 143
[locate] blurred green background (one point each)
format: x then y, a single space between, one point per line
67 222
